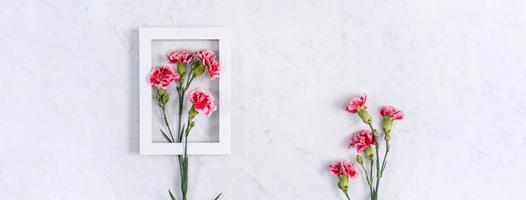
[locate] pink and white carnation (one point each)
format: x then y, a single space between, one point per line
342 168
206 56
356 103
392 112
202 101
361 140
213 70
208 59
179 56
162 76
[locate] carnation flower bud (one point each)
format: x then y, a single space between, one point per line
364 115
359 159
343 184
369 152
387 124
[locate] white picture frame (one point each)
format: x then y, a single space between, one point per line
146 37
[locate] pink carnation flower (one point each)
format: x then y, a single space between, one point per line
213 70
392 112
361 140
162 76
178 56
203 101
205 56
208 59
356 103
342 168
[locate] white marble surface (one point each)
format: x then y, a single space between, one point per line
69 103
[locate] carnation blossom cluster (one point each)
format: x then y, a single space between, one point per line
188 66
366 142
164 75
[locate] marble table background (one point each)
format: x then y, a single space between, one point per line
69 97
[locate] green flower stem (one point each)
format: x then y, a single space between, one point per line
165 119
184 187
189 82
181 98
180 128
182 90
367 178
347 195
384 163
379 171
372 179
184 173
183 130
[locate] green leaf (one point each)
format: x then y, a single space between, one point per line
171 195
192 112
218 196
198 71
181 69
166 136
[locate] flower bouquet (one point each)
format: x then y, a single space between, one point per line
366 142
188 66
